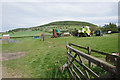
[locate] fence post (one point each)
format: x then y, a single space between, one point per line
67 51
42 37
118 67
70 49
89 52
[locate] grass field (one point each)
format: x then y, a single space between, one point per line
44 58
26 33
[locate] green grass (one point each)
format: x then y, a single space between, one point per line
26 33
44 58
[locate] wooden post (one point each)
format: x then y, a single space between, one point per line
106 58
42 37
66 46
67 52
89 52
70 49
118 67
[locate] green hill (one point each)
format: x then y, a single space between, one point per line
69 23
63 26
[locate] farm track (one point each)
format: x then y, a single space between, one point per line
9 56
7 72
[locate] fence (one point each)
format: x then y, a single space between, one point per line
76 73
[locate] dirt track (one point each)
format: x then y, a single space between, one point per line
10 73
9 56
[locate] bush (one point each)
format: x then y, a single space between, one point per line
110 27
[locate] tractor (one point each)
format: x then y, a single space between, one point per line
82 32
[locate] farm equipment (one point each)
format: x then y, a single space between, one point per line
36 37
92 33
82 32
66 34
98 33
56 33
40 36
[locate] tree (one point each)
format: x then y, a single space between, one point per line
110 27
10 31
93 28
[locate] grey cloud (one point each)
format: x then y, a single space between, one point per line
32 14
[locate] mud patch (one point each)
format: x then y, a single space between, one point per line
51 42
9 56
5 41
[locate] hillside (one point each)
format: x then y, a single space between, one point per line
61 25
75 23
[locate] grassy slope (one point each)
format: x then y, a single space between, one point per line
25 33
70 23
44 58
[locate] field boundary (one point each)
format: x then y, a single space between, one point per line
76 73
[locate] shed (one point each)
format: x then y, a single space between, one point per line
6 36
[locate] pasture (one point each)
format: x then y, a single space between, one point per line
26 33
43 58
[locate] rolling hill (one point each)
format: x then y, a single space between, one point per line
61 25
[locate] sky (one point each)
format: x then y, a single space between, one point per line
25 14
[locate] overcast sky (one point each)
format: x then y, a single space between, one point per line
29 14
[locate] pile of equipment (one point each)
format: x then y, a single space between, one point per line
56 33
82 32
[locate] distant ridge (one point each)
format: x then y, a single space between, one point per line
58 25
69 23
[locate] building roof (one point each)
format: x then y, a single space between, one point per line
5 35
